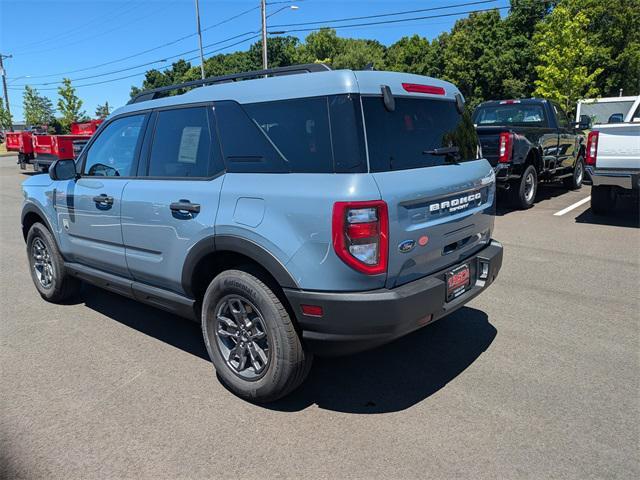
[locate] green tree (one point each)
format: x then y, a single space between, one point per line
564 50
281 52
69 105
178 72
409 54
359 54
103 111
320 46
6 122
38 110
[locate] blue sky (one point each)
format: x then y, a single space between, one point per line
48 38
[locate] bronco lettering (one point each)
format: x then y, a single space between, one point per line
455 204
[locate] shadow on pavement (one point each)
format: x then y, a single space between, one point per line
396 376
626 214
390 378
546 191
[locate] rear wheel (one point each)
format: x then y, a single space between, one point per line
574 182
251 339
523 192
47 266
603 199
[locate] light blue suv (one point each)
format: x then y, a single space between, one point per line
294 211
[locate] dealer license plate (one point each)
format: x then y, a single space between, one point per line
458 281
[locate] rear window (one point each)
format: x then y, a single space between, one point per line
407 137
513 114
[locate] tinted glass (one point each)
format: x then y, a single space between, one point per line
299 129
182 144
112 154
244 145
513 114
347 134
406 137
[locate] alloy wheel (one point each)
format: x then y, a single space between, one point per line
241 337
529 184
42 264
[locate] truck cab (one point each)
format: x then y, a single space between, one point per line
528 141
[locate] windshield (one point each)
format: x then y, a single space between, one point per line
513 114
409 136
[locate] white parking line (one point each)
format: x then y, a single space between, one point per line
571 207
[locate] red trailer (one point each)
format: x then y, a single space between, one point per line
49 148
20 142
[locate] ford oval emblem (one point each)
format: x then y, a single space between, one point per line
407 246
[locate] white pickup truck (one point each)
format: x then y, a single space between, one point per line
613 160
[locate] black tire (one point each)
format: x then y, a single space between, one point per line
523 192
574 182
603 199
286 365
47 271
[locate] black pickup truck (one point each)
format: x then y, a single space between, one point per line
528 141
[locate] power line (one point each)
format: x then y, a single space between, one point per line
145 71
164 45
406 12
387 22
81 27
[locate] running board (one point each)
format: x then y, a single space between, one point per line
154 296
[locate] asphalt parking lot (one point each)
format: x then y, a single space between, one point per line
536 378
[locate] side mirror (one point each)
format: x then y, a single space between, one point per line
585 122
63 170
616 118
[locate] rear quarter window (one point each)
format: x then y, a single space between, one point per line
305 135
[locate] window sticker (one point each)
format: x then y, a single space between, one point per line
189 144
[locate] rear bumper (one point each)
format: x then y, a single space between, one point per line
356 321
627 179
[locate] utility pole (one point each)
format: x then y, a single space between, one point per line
263 4
199 39
3 72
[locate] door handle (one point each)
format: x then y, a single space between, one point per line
185 206
103 199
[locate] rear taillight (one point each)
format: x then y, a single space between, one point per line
505 147
361 235
592 148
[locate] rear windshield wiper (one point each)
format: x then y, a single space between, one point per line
452 154
443 151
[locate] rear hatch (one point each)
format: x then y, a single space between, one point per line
441 206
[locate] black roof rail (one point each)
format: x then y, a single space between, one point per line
270 72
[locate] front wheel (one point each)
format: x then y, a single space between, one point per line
47 266
574 182
523 192
251 339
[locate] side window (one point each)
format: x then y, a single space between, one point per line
182 145
245 147
562 118
299 129
113 153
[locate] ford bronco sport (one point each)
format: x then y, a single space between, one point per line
299 211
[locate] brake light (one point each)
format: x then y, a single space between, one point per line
505 147
592 148
360 232
418 88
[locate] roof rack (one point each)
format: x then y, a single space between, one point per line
270 72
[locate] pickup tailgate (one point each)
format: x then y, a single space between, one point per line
618 146
489 141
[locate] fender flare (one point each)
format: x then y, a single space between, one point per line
33 208
231 243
